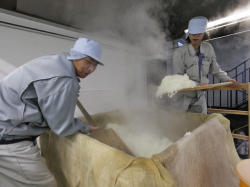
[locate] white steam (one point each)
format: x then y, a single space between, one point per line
128 21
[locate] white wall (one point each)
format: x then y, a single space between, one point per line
119 83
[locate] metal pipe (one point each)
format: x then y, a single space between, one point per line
213 91
236 92
220 97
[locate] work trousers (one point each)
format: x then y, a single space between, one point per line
183 103
21 165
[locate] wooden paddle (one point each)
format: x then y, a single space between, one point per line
86 114
106 136
206 86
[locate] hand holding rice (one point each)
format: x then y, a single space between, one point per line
172 84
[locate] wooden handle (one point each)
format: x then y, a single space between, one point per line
238 86
86 114
242 137
206 86
238 112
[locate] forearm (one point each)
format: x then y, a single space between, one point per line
65 129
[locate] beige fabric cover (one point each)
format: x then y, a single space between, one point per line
83 161
203 158
208 159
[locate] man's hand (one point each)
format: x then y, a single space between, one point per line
203 84
92 128
233 81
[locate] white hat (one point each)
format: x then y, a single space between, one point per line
85 47
197 25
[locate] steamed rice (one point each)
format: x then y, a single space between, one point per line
171 84
141 144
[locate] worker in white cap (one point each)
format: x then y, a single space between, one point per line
197 59
41 95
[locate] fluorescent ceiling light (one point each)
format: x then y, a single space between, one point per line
235 18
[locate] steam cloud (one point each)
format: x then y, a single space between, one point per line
130 21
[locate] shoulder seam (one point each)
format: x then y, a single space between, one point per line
60 90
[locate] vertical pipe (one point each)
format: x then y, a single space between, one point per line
244 66
236 92
227 98
248 115
220 97
207 95
244 91
236 73
213 92
231 99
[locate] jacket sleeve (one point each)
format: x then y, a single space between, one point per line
58 109
178 66
215 69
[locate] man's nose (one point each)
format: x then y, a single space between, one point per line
91 68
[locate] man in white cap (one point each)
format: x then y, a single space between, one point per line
196 59
41 95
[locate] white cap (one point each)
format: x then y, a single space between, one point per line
85 47
197 25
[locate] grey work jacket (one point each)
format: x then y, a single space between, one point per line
39 95
185 61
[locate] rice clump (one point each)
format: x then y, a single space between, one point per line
171 84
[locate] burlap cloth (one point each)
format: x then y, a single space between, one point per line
205 158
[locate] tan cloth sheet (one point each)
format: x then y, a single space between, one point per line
206 160
83 161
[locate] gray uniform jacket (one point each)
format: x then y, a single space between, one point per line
185 61
39 95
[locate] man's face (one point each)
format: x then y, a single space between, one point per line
85 66
196 38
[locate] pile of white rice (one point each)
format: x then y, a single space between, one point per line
171 84
141 144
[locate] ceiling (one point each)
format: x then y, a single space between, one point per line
179 12
130 19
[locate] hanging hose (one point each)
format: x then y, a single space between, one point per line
239 128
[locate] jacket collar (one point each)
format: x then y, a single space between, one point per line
192 51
